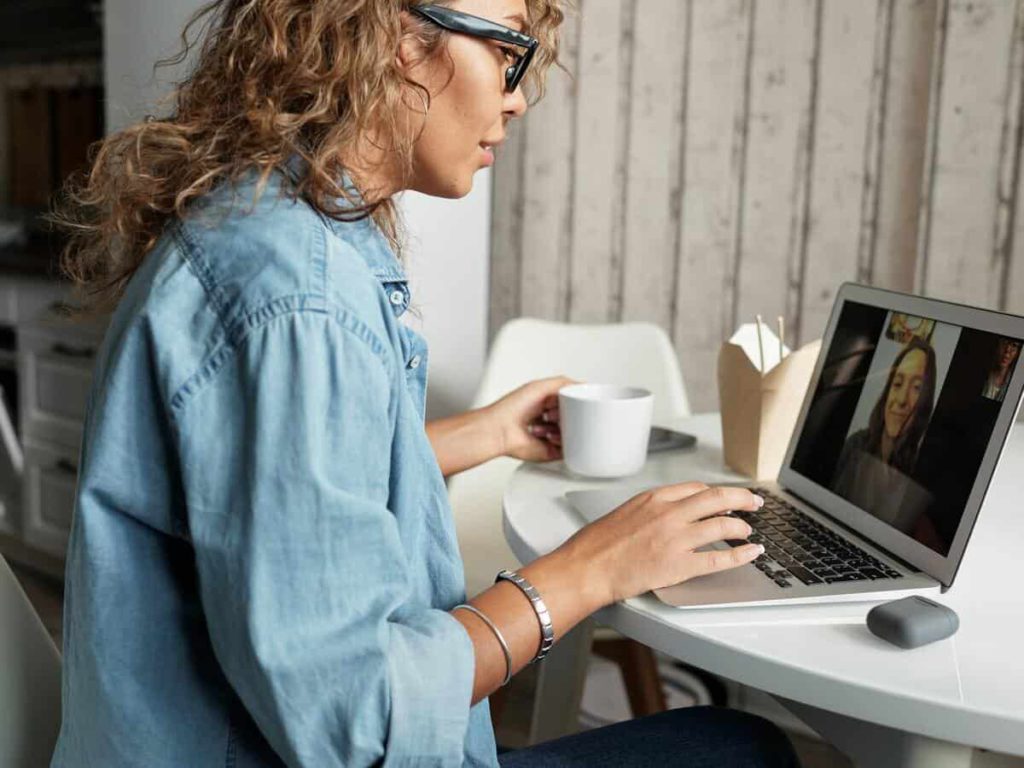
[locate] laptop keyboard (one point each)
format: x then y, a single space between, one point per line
799 549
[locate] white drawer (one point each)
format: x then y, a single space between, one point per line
48 496
55 375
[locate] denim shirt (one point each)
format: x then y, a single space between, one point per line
263 555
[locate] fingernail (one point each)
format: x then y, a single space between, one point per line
759 501
750 531
760 549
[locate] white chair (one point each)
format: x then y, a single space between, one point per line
29 680
525 349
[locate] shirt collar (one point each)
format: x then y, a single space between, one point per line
363 234
369 242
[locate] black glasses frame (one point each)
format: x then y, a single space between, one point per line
467 24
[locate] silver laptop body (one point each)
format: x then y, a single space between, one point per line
911 513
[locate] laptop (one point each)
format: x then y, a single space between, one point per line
908 409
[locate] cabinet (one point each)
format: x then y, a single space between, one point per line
55 359
46 372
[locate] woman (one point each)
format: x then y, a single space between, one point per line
874 470
1002 367
262 568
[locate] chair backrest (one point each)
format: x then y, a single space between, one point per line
638 354
29 680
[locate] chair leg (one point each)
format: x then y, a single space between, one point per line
560 680
639 669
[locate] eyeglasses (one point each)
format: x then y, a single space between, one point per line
467 24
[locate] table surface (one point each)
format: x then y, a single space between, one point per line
968 688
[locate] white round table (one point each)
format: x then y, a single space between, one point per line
880 704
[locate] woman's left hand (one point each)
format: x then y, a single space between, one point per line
528 420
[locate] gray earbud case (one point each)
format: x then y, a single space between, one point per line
912 621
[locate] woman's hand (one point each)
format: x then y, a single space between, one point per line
527 420
651 541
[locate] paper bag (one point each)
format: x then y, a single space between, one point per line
759 410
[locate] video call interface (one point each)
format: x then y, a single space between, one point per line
902 416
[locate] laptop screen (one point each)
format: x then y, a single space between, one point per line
902 416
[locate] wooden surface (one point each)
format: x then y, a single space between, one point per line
709 161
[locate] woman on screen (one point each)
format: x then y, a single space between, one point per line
1002 368
875 466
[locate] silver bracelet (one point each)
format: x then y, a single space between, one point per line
547 629
497 634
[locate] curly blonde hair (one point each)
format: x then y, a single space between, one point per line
273 79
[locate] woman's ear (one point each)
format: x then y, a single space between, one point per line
410 51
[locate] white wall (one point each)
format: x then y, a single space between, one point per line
448 250
136 33
447 259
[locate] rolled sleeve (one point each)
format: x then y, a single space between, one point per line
286 452
431 686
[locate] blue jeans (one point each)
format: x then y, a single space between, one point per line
695 737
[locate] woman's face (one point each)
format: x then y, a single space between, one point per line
468 112
1008 353
904 392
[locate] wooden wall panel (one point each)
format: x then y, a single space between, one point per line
957 251
779 130
653 184
546 187
719 53
1004 279
602 88
506 229
892 261
1013 292
844 159
716 160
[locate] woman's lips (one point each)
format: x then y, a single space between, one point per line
488 155
898 419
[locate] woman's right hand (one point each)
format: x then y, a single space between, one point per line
653 539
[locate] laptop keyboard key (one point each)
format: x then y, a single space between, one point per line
804 575
872 573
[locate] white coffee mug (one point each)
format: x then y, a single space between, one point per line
605 428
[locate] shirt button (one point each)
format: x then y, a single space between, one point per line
415 362
397 298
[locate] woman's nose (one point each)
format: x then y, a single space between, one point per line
515 103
